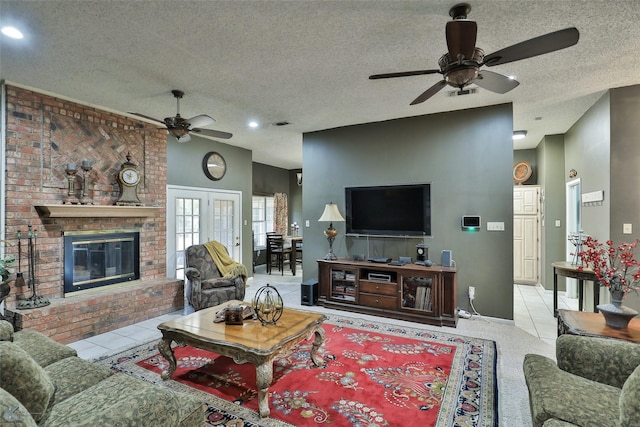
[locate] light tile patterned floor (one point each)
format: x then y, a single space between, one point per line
533 312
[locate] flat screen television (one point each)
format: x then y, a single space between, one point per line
390 210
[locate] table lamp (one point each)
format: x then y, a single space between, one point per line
331 214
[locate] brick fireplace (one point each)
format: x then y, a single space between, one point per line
43 134
94 259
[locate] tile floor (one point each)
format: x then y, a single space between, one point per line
533 312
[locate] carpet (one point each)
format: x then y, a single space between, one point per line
376 374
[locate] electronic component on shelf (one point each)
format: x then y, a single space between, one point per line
379 260
379 276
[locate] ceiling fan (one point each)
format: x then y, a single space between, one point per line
181 128
460 66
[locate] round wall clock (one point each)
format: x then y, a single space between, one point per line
521 172
214 166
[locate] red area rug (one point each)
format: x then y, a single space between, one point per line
375 375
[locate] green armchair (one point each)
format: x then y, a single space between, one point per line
596 382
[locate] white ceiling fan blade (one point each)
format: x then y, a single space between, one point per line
185 138
200 121
495 82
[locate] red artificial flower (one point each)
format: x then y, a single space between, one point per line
614 266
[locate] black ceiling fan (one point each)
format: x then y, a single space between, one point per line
181 128
460 66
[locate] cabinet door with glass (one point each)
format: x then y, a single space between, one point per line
418 292
343 284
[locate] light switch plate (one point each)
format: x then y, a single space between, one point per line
627 228
495 226
557 223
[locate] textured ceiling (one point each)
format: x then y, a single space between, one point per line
308 62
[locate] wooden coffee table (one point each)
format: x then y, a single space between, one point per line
250 342
592 324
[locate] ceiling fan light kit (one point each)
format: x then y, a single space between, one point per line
461 65
181 128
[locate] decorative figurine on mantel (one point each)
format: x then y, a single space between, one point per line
129 178
71 198
86 167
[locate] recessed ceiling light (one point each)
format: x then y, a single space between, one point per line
519 134
12 32
253 124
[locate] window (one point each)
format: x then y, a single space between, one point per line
262 219
187 230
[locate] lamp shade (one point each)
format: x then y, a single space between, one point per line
331 214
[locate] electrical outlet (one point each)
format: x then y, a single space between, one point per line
472 293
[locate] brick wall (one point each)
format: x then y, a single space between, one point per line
44 133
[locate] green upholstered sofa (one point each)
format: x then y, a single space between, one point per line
595 382
44 383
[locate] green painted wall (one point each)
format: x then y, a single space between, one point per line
268 180
467 156
625 168
184 167
587 150
550 161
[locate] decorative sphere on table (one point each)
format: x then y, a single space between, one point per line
268 304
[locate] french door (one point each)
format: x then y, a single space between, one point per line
196 216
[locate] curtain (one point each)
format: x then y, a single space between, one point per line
280 214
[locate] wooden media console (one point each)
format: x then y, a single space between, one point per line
408 292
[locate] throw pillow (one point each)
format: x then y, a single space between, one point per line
629 403
25 379
6 331
12 411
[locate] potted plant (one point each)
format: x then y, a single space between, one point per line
615 267
4 263
4 276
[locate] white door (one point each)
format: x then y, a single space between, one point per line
196 216
574 221
526 234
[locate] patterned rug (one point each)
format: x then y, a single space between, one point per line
375 375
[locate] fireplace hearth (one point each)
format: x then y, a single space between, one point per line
97 259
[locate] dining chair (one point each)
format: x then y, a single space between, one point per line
277 251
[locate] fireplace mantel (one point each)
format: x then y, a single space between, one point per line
91 211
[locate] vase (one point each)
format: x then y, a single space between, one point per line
616 297
616 315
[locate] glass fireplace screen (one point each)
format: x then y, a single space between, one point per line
97 260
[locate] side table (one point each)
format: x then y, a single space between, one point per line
566 269
592 324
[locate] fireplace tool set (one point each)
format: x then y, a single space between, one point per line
34 301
